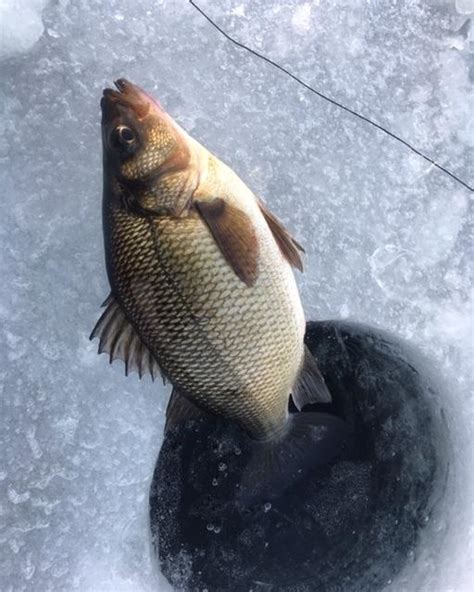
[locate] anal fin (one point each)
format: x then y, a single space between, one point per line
181 409
311 387
118 338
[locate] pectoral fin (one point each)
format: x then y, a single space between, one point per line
119 339
288 245
235 236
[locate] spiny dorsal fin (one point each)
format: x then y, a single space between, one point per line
234 234
119 339
311 387
180 409
288 245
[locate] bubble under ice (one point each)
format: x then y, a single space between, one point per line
386 235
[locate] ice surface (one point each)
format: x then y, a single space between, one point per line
387 240
21 25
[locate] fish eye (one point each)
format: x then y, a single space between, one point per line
124 136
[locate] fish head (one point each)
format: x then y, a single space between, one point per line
140 140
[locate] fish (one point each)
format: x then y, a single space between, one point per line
202 284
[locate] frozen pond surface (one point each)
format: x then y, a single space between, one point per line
387 240
352 523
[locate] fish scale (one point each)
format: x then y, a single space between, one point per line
240 342
202 286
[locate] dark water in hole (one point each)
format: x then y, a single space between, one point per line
350 526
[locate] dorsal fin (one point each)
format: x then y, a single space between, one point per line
235 236
288 245
120 340
311 387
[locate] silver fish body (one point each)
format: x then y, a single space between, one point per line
236 350
200 274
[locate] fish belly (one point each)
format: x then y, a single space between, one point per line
235 350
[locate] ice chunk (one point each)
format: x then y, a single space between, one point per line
301 19
465 6
21 25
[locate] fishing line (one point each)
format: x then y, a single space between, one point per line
329 99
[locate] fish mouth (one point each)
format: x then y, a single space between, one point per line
127 96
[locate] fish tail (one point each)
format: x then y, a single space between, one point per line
309 444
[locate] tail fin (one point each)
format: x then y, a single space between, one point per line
311 442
